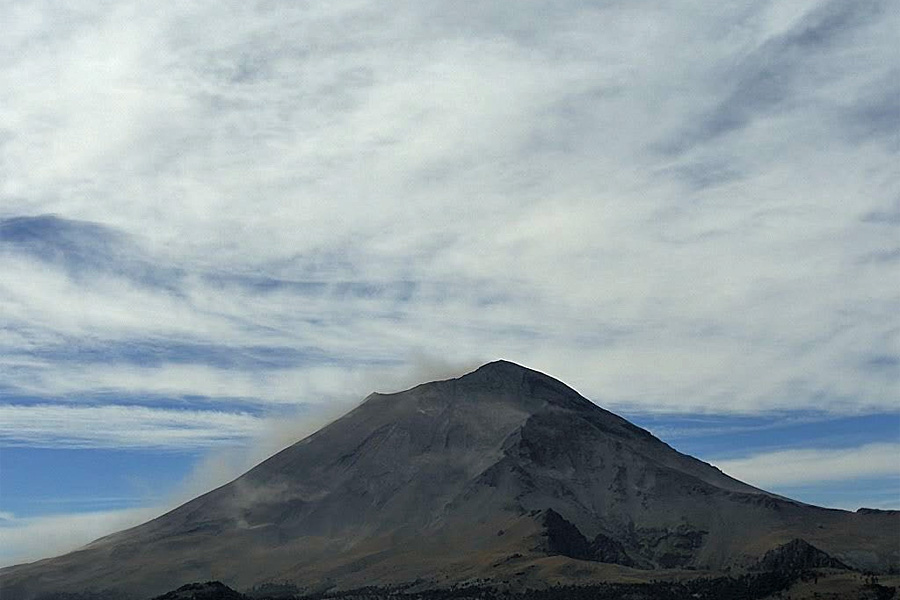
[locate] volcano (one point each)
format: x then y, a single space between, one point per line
502 474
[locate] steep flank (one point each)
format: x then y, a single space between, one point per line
443 483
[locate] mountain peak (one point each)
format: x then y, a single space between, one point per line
521 384
502 371
499 381
502 366
450 476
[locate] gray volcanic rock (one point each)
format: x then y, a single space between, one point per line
211 590
565 539
797 555
456 480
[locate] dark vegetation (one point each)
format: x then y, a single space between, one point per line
775 572
874 591
747 587
211 590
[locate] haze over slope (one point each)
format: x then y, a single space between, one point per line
482 476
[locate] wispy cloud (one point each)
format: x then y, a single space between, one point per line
774 75
111 426
285 342
25 539
223 223
289 204
816 465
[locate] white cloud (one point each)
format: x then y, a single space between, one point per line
317 384
815 465
26 539
62 426
676 216
670 216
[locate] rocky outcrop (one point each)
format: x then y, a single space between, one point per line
565 539
797 555
211 590
608 550
670 547
876 511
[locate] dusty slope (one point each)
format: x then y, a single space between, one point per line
453 480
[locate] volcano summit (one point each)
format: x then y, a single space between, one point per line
504 474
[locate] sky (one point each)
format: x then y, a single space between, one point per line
222 224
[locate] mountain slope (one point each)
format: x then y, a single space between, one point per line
458 479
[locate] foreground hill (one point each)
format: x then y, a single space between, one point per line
504 474
808 585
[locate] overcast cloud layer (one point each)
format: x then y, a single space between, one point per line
682 210
213 214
